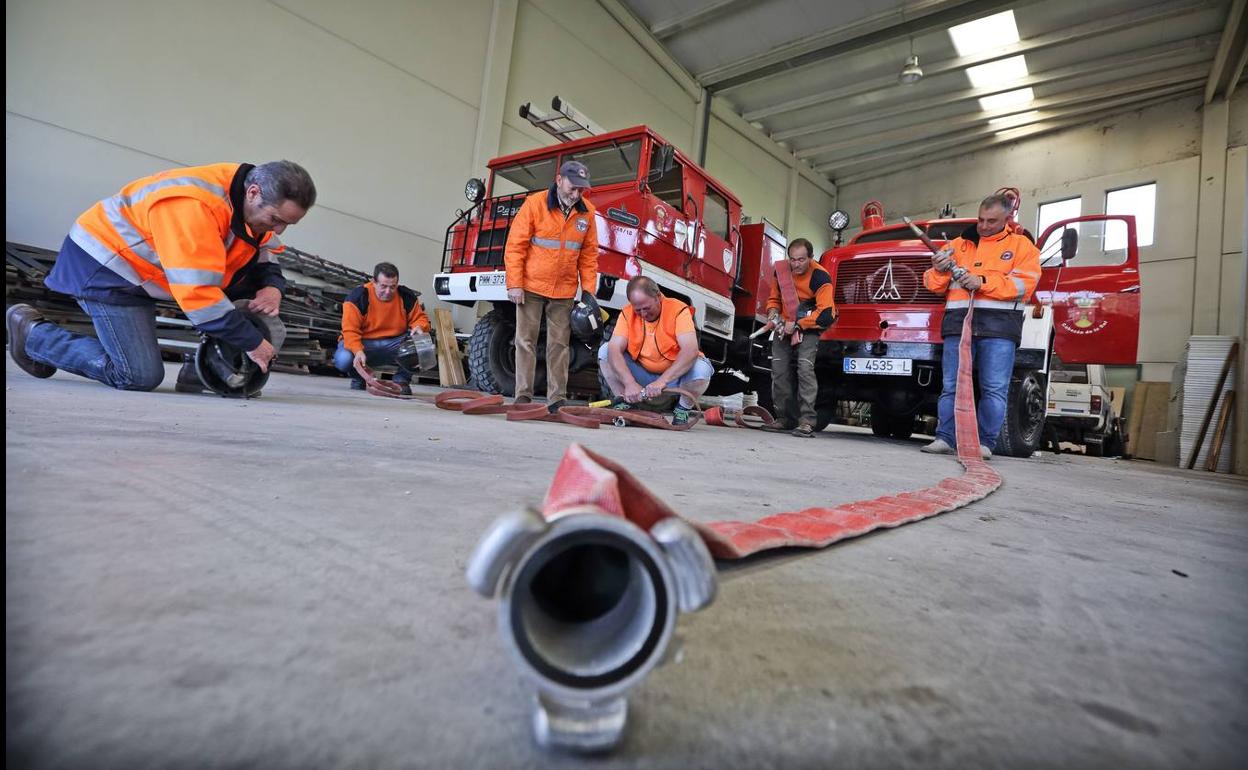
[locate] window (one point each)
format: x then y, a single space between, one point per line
1141 202
612 164
524 177
715 217
1056 211
668 188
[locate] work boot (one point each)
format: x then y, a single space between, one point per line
19 320
554 406
357 384
188 378
523 400
938 447
985 452
781 426
804 431
405 388
620 405
680 416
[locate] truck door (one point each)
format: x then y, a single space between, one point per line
1094 292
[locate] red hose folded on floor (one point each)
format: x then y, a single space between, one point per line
586 478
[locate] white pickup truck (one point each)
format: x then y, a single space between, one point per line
1080 410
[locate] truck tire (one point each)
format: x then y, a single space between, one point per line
1023 427
888 425
492 356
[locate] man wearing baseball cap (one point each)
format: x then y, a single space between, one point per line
552 250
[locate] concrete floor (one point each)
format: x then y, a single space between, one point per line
279 583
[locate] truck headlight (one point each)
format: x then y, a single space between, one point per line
474 190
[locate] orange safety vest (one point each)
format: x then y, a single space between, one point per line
664 333
177 235
550 254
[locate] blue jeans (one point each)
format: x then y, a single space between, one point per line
125 356
993 358
383 351
701 370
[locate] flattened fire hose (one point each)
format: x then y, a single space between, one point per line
590 587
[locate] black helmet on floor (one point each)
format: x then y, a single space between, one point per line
226 370
587 323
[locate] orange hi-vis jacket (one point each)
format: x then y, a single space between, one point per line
176 235
364 317
665 331
550 254
1008 263
816 299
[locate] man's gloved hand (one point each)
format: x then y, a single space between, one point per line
970 281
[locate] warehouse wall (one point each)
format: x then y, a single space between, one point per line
99 93
381 104
1159 144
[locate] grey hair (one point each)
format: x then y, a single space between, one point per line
643 284
283 180
1006 204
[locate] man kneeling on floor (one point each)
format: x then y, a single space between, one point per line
204 236
654 346
376 319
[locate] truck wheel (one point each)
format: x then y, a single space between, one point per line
1023 427
492 356
888 425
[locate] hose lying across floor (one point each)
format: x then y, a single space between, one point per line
589 588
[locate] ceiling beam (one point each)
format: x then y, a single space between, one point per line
987 136
1162 53
982 144
689 21
1230 50
915 18
944 126
1093 29
1239 73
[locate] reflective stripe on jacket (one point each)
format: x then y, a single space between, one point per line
549 253
176 235
1008 263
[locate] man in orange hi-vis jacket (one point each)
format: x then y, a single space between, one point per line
999 263
202 236
552 249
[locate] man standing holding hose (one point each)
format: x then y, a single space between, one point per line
998 263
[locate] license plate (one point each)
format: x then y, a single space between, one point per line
899 367
492 279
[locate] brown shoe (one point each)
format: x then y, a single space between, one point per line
522 400
804 431
19 320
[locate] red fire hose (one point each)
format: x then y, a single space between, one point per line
585 478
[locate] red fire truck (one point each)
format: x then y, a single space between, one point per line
885 347
658 213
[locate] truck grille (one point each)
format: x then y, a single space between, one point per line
884 281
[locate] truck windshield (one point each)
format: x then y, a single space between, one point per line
611 164
524 177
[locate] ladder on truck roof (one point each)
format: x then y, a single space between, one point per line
563 123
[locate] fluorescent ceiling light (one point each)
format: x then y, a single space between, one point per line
1008 99
993 31
997 72
1012 119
